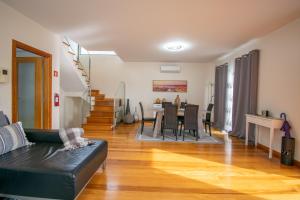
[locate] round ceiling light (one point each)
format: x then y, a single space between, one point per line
175 46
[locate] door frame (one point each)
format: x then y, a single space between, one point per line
47 104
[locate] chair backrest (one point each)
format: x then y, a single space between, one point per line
210 107
208 112
165 103
191 117
208 117
170 116
142 110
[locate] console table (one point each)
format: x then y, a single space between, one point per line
269 122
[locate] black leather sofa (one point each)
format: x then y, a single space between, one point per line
44 170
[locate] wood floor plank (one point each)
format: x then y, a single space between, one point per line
163 170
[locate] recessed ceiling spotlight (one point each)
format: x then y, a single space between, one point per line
175 46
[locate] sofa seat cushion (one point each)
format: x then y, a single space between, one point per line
44 170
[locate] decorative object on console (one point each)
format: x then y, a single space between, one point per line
287 143
128 119
169 86
265 113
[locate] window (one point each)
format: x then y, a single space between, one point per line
229 97
83 51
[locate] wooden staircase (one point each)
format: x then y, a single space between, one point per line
102 115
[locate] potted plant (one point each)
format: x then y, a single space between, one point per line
287 143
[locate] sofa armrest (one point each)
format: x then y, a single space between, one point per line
41 135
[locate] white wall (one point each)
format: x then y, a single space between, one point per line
73 112
16 26
108 71
279 79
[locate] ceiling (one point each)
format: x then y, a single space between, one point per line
136 29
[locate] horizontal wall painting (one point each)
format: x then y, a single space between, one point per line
169 86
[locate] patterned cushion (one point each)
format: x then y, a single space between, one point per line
72 139
12 137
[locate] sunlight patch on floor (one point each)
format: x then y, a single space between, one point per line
223 176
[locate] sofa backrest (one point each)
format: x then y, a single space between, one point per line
3 119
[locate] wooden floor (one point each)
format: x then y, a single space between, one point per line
158 171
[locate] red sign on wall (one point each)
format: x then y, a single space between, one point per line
55 73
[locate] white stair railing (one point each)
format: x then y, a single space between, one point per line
82 60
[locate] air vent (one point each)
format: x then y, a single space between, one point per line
169 69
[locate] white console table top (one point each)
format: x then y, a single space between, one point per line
269 122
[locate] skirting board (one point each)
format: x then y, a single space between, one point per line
275 153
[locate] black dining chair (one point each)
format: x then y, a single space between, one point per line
207 120
190 121
163 104
144 119
170 121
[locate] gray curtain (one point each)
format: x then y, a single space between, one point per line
220 96
245 92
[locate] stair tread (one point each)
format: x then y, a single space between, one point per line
98 127
105 117
104 103
99 111
104 106
105 99
100 119
108 121
95 124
